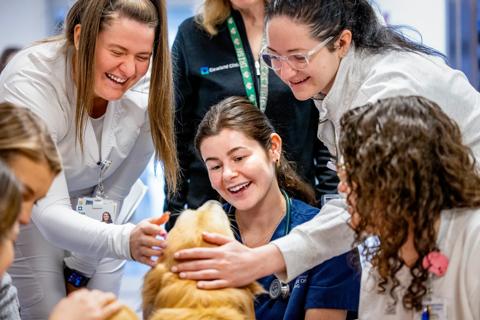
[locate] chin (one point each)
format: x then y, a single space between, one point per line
112 95
303 95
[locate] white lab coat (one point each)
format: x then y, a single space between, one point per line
40 78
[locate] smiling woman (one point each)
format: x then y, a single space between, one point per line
107 115
122 57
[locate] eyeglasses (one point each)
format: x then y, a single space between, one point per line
295 60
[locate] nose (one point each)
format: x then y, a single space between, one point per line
286 71
342 187
229 172
25 214
127 67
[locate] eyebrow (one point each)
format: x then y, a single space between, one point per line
27 190
228 153
117 46
288 51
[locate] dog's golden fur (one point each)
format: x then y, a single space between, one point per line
166 296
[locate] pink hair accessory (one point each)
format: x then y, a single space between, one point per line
436 263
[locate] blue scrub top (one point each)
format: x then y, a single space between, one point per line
334 284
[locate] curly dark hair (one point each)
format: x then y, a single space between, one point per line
405 162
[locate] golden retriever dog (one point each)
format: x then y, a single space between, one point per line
166 296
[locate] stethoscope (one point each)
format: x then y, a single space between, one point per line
277 288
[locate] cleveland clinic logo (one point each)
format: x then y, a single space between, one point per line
207 70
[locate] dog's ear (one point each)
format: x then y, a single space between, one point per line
152 283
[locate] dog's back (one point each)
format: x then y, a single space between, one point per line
166 296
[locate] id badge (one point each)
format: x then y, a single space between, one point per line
327 197
436 308
100 209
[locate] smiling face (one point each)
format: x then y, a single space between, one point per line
35 177
285 36
240 169
122 56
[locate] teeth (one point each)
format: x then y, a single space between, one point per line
297 82
116 79
238 187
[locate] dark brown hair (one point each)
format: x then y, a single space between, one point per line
94 16
328 18
405 162
239 114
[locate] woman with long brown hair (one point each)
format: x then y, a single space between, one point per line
266 199
107 114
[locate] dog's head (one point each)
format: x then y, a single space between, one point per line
189 226
166 296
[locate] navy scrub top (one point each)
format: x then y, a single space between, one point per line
334 284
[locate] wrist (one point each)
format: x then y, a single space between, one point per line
270 260
74 278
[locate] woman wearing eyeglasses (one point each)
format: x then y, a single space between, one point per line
340 55
217 55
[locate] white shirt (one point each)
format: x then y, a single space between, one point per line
458 289
363 78
40 78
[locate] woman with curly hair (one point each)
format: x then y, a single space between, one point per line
411 182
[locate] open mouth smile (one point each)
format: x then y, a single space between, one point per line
239 187
297 82
116 79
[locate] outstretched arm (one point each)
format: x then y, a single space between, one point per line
233 265
229 265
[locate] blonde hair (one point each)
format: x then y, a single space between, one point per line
93 16
10 200
24 133
212 13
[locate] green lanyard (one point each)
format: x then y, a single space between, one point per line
262 69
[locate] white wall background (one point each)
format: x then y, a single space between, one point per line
426 16
22 22
25 21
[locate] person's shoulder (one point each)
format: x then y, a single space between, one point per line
303 211
190 26
44 62
405 64
45 52
467 220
